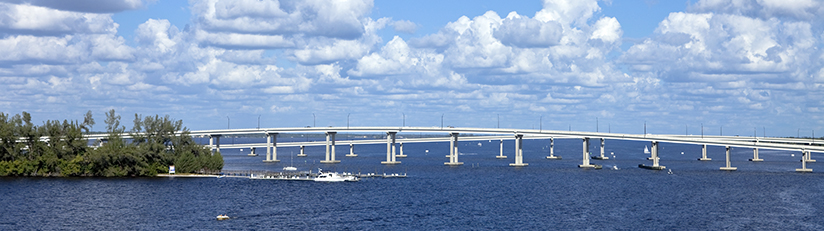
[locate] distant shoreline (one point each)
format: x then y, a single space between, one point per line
190 175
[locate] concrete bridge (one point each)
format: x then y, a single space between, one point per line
805 146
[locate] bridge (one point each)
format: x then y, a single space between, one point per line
805 146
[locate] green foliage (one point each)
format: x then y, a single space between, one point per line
158 142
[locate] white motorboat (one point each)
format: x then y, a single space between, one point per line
334 177
222 217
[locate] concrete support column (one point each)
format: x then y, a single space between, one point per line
390 148
330 148
351 151
602 150
400 155
654 157
755 156
453 150
804 156
704 154
268 147
253 152
519 151
601 157
302 153
214 141
501 155
728 167
211 143
810 157
552 155
585 163
655 154
271 145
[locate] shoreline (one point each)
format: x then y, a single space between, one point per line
186 175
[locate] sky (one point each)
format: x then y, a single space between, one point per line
741 67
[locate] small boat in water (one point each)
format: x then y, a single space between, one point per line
291 166
222 217
334 177
646 150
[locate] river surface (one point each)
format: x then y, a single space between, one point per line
483 194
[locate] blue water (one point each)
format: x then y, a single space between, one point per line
484 193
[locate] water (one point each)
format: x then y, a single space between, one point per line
484 193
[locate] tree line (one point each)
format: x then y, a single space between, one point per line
157 143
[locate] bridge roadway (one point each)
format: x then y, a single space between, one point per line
805 146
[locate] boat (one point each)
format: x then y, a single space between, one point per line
291 166
334 177
222 217
646 150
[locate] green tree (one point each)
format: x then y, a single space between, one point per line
88 121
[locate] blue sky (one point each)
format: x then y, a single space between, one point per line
736 64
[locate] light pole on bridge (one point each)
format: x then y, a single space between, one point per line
228 122
499 120
347 120
404 119
258 127
541 123
441 121
313 120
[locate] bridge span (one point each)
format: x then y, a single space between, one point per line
805 146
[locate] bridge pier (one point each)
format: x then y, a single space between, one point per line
501 155
585 163
601 157
351 151
728 167
301 154
401 155
755 156
804 156
390 148
654 157
810 156
271 147
453 150
519 151
552 155
330 156
704 154
253 152
214 142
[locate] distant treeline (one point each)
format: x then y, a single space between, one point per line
154 147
